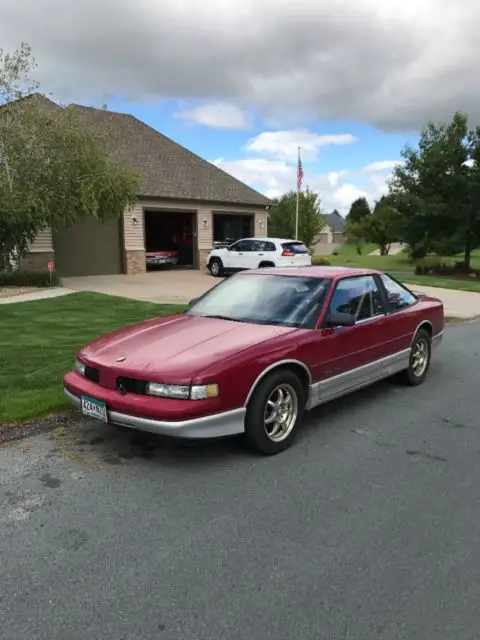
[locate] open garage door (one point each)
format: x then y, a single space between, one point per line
89 248
170 238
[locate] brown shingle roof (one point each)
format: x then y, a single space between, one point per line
169 170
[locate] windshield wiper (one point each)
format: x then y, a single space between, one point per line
219 317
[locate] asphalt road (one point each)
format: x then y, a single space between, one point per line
367 529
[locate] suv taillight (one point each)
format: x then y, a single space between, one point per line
288 253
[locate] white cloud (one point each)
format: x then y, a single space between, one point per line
394 64
218 115
381 165
275 177
284 144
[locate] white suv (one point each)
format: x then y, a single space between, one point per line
252 253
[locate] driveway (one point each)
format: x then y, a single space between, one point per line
368 528
159 286
181 286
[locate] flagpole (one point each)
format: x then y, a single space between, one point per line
298 195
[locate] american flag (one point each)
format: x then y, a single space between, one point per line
299 173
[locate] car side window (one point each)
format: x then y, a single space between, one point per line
262 245
258 245
360 297
241 245
398 297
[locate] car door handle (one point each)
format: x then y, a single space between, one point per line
240 253
260 254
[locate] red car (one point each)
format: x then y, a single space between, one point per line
256 351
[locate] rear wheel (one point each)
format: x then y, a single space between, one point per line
216 267
420 356
275 412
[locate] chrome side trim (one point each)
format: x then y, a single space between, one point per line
418 327
271 368
218 425
349 381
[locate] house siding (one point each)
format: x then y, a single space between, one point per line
39 253
261 225
43 242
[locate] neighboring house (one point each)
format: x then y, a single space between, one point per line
184 200
331 234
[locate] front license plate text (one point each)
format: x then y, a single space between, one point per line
94 408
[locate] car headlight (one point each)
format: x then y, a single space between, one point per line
79 367
182 392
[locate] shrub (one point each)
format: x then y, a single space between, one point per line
435 266
321 261
29 279
335 252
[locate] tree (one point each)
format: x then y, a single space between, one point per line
437 188
281 217
382 227
52 171
358 210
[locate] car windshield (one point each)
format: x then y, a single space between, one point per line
291 301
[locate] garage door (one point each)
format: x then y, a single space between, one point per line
338 237
88 248
322 238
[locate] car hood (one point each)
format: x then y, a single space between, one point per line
181 345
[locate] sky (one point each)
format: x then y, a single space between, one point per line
244 84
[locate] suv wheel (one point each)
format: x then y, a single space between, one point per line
216 267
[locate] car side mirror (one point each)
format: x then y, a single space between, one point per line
337 319
192 302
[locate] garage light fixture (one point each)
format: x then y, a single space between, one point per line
205 222
134 219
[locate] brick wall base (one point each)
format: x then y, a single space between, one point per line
202 255
37 261
135 262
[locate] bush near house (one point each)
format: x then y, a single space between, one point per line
29 279
320 261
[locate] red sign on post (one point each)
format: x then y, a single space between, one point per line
51 266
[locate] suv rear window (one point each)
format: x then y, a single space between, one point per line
295 247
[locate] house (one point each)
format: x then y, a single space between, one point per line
183 198
331 235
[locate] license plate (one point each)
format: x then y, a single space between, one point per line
94 408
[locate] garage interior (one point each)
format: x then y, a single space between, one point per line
228 227
89 248
172 231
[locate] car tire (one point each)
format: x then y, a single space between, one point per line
216 267
420 358
284 388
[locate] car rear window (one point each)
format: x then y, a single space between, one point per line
295 247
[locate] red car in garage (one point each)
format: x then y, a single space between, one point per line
255 352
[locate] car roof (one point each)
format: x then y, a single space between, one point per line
314 271
270 239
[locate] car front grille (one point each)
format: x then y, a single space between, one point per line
92 374
132 385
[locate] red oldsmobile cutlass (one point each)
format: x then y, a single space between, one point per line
256 351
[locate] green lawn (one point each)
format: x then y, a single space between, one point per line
401 267
38 341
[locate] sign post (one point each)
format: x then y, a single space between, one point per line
51 267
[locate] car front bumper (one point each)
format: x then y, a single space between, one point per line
217 425
155 262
